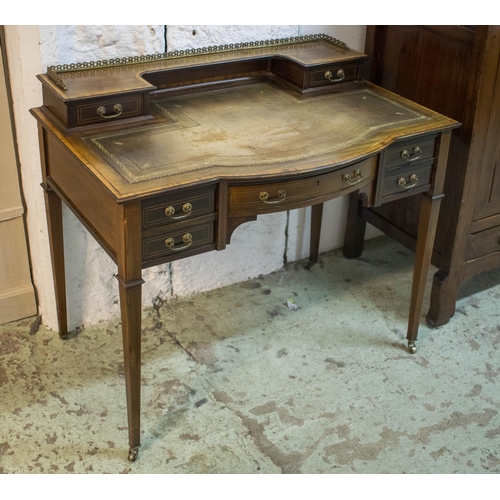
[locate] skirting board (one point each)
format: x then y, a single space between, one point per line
17 303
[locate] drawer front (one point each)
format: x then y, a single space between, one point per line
287 195
109 110
483 243
407 178
406 152
331 75
177 239
406 168
184 206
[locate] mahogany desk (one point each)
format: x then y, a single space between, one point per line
163 157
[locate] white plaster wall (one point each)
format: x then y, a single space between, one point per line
71 44
256 248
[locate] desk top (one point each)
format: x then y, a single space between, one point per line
250 132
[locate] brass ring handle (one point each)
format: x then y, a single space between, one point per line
413 182
340 76
187 208
117 108
416 153
264 196
187 239
358 177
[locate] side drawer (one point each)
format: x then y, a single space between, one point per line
174 207
483 243
290 194
334 74
177 239
406 179
107 110
406 168
411 150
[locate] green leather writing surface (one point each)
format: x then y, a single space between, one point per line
247 127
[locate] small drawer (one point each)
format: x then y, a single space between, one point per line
286 195
483 243
334 74
407 179
168 209
109 110
409 151
177 239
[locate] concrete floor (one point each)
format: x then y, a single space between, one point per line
236 382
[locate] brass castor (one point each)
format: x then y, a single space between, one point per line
412 348
132 454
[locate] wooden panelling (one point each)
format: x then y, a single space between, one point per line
17 299
17 295
483 243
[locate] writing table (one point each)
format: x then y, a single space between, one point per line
163 157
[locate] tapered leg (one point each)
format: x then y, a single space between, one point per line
131 307
316 218
355 229
53 207
428 217
130 282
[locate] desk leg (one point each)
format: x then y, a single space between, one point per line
53 207
130 282
316 218
428 218
355 228
131 307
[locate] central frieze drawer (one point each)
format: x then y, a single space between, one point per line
286 195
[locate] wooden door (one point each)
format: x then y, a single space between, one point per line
434 66
488 204
17 296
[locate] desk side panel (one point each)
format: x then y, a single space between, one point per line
83 193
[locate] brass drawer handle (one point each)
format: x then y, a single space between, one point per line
187 239
413 182
416 153
187 208
117 108
358 177
340 76
264 196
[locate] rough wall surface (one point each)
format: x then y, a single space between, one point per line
190 36
70 44
256 248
